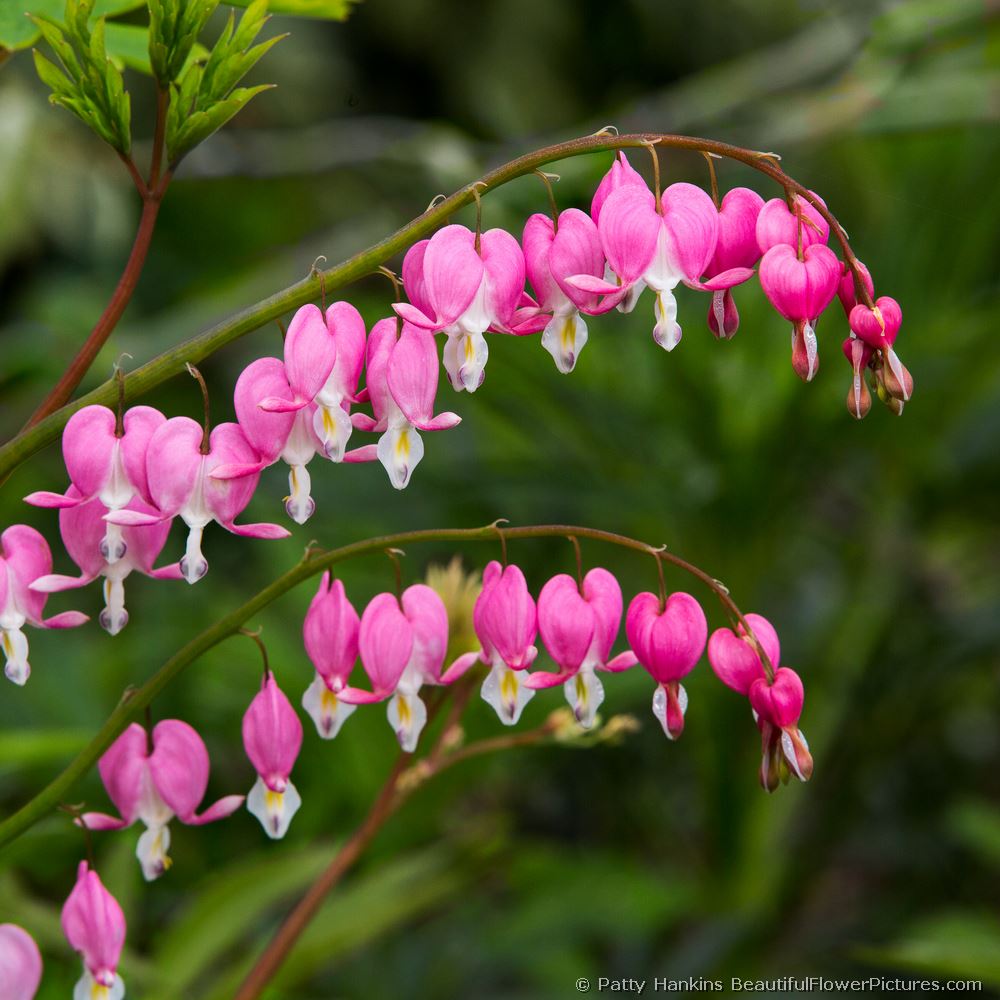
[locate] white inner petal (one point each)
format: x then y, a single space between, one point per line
274 809
564 337
504 691
325 708
400 450
585 694
407 714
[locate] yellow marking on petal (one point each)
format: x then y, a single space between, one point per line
293 479
329 424
469 349
508 686
568 333
275 800
405 715
6 643
581 690
403 444
99 992
107 590
328 700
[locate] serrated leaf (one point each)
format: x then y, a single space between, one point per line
329 10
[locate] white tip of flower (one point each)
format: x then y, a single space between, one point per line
113 545
193 564
564 338
152 852
88 988
407 715
114 617
400 450
661 707
274 809
333 427
325 708
15 649
812 350
667 332
299 505
584 693
465 356
504 691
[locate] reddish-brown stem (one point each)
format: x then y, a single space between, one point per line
162 100
80 365
553 207
206 434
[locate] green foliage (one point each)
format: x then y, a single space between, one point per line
329 10
88 83
174 26
18 31
206 96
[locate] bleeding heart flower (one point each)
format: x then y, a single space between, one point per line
847 289
82 529
736 247
330 634
182 483
859 354
272 738
402 384
778 706
800 290
331 419
668 642
553 254
621 174
155 785
735 659
106 462
463 287
578 627
403 645
24 557
94 926
777 224
878 328
20 963
661 245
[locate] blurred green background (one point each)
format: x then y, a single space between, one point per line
873 547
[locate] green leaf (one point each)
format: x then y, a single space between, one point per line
329 10
18 32
200 125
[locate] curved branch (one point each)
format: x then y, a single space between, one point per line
136 699
192 351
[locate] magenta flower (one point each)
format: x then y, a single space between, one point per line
272 738
330 634
82 529
20 963
331 418
24 557
777 224
402 383
736 247
94 926
181 483
878 328
620 174
858 354
403 645
668 642
847 290
778 706
735 660
463 290
579 629
660 245
156 784
104 465
800 289
551 256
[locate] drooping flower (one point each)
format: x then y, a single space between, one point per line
777 224
463 286
403 645
858 354
847 289
94 926
82 530
578 627
106 462
331 418
736 247
402 380
552 254
156 784
272 738
24 557
20 963
878 328
777 704
668 641
181 483
506 623
800 289
620 174
330 634
661 244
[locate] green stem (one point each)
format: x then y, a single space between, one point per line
135 700
192 351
